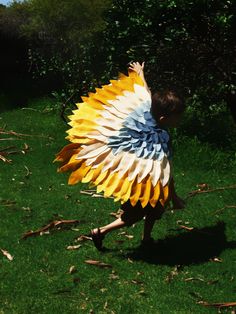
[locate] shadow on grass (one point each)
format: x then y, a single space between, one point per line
192 247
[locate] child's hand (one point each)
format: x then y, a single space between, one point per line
178 203
137 67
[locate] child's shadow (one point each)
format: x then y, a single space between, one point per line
191 247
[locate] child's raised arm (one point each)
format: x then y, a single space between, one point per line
139 69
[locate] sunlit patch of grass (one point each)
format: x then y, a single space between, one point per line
183 268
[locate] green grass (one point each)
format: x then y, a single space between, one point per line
170 279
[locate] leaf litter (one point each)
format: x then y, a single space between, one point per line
98 263
45 229
72 269
73 247
7 254
173 273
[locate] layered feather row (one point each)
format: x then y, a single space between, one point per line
109 148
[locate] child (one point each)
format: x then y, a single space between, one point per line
167 108
119 144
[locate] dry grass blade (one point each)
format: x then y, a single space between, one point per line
52 224
209 282
98 263
7 254
28 173
87 192
193 279
6 148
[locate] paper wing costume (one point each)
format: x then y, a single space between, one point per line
117 145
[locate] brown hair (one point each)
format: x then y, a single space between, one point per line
166 103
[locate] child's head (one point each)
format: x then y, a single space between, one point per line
167 108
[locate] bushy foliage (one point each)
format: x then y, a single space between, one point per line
189 45
13 17
64 24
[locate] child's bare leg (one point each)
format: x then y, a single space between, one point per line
150 219
129 216
148 226
116 224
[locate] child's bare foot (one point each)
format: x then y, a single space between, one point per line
97 238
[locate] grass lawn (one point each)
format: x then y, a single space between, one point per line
185 268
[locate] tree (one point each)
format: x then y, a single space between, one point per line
188 45
64 24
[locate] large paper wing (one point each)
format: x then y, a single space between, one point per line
117 145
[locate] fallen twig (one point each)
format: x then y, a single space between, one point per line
199 191
4 159
217 305
183 226
8 139
7 151
51 225
7 202
221 209
83 238
186 228
20 134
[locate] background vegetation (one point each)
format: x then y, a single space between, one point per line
70 47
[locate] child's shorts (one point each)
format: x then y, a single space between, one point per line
132 214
